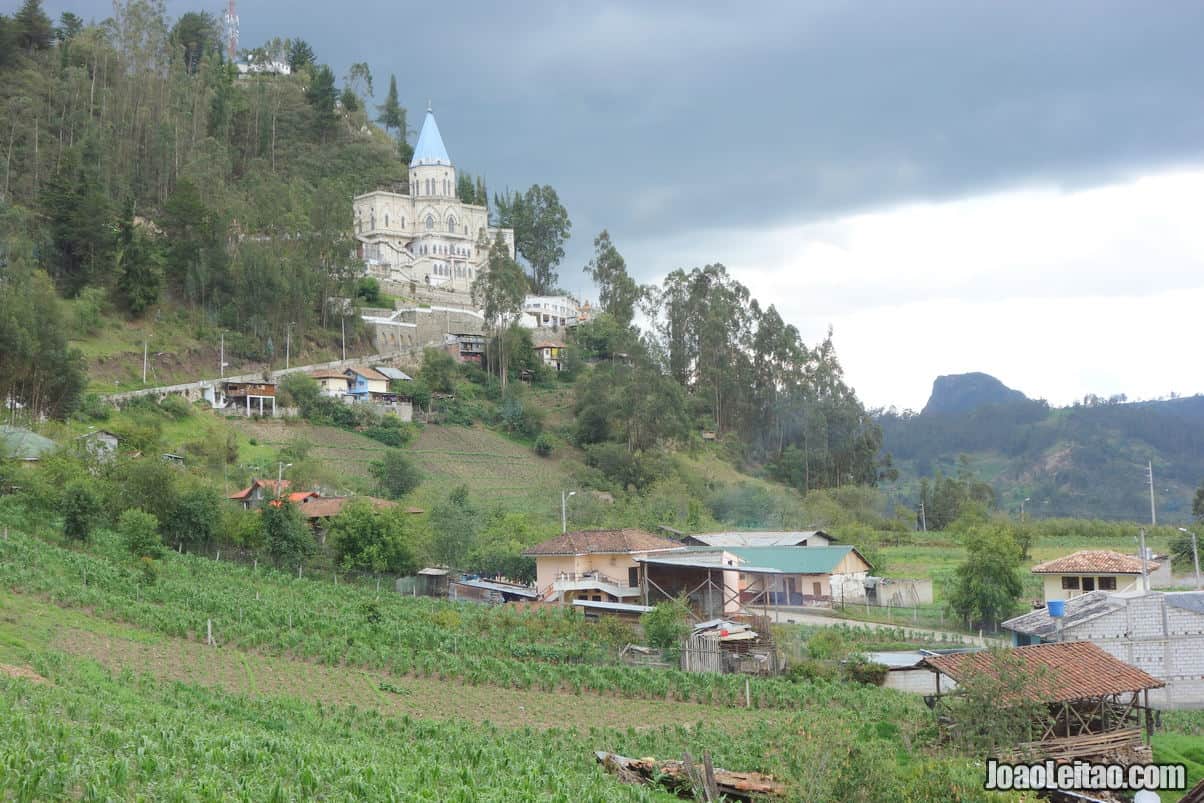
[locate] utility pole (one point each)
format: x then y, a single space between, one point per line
343 327
564 510
923 519
221 358
1153 513
1022 501
1145 571
144 361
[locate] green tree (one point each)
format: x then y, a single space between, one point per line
300 56
395 474
321 96
34 29
81 510
359 79
455 522
392 116
618 293
195 35
667 624
373 540
987 585
139 532
139 268
541 226
194 521
439 370
500 291
497 551
285 535
1197 504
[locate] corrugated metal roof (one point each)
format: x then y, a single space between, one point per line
1078 609
759 538
502 588
1186 600
793 560
21 444
392 373
1062 672
624 607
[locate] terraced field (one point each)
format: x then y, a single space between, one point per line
492 466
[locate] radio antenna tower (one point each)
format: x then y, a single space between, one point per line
231 21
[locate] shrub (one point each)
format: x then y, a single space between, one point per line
810 670
139 532
666 624
175 406
81 509
860 670
395 474
544 444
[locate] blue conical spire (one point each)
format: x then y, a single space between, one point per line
430 149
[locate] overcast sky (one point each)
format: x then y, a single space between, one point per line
1009 187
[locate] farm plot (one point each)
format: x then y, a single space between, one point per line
491 465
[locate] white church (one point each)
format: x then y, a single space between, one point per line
427 236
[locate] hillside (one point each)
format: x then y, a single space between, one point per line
963 393
1087 460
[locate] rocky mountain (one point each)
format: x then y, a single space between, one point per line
962 393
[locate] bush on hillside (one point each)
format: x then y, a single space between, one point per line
544 445
395 474
667 624
81 510
858 669
139 532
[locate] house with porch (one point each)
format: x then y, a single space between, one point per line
250 398
1091 570
550 351
1159 632
595 565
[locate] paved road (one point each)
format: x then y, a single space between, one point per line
811 617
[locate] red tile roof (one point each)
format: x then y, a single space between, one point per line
325 507
1066 671
586 542
328 374
269 485
1093 561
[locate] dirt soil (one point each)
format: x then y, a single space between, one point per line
21 672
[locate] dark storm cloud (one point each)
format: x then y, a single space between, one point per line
657 118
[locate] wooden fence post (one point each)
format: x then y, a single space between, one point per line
209 632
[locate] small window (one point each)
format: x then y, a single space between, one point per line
1088 584
430 222
451 225
1070 584
386 220
1107 584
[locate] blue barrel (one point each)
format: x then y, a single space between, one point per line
1057 608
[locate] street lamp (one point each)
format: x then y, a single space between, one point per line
280 476
1022 501
564 510
1195 555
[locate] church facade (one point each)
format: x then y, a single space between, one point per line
426 236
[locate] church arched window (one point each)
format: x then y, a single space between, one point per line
386 220
430 222
451 225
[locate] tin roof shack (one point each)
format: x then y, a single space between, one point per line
1160 632
623 611
761 538
491 592
906 671
723 645
259 491
1091 704
20 444
1090 570
252 398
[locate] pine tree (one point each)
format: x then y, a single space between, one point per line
392 116
34 29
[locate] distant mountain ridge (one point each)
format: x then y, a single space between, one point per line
963 393
1085 460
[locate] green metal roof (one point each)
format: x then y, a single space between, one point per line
21 444
793 559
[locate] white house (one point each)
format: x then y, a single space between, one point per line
426 234
1090 570
550 312
335 384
